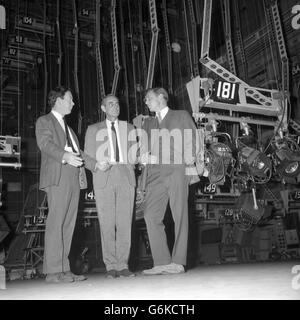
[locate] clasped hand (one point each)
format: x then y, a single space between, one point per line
103 165
73 159
148 158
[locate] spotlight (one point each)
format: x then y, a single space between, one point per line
289 166
217 160
176 47
256 164
287 160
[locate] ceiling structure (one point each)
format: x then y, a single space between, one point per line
40 38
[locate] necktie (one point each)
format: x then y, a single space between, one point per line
113 129
159 118
69 141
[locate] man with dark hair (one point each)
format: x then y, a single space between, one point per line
61 177
113 143
170 155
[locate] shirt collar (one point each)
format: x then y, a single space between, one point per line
57 115
108 123
163 112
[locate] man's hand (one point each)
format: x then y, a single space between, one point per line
147 158
103 165
73 159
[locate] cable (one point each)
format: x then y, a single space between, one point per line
275 133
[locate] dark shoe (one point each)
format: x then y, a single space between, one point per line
76 277
58 277
125 273
111 274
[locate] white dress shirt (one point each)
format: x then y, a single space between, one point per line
162 113
112 154
59 118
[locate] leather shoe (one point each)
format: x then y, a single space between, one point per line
58 277
76 277
171 268
125 273
174 268
111 274
154 271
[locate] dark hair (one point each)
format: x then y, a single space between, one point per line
58 92
157 91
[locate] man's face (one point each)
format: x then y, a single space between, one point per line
111 107
153 101
65 105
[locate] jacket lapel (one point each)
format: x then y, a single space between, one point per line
99 137
167 118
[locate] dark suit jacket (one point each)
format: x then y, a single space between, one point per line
97 146
51 139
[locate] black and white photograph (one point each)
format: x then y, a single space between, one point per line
149 153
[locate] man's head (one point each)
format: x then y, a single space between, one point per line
156 99
110 105
60 99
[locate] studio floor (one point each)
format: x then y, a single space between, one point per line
255 281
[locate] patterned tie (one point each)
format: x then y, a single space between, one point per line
69 140
113 129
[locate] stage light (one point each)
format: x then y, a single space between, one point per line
292 167
289 171
249 211
256 164
218 159
286 157
176 47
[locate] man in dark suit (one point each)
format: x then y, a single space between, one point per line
113 144
61 177
170 153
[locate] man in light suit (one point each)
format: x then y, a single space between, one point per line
61 177
113 144
170 152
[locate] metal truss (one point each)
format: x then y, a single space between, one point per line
194 36
100 80
153 50
115 46
168 45
265 102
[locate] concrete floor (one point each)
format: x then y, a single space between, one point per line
255 281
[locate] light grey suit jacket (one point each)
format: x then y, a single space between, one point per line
97 146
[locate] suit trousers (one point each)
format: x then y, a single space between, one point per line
166 184
115 209
62 213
